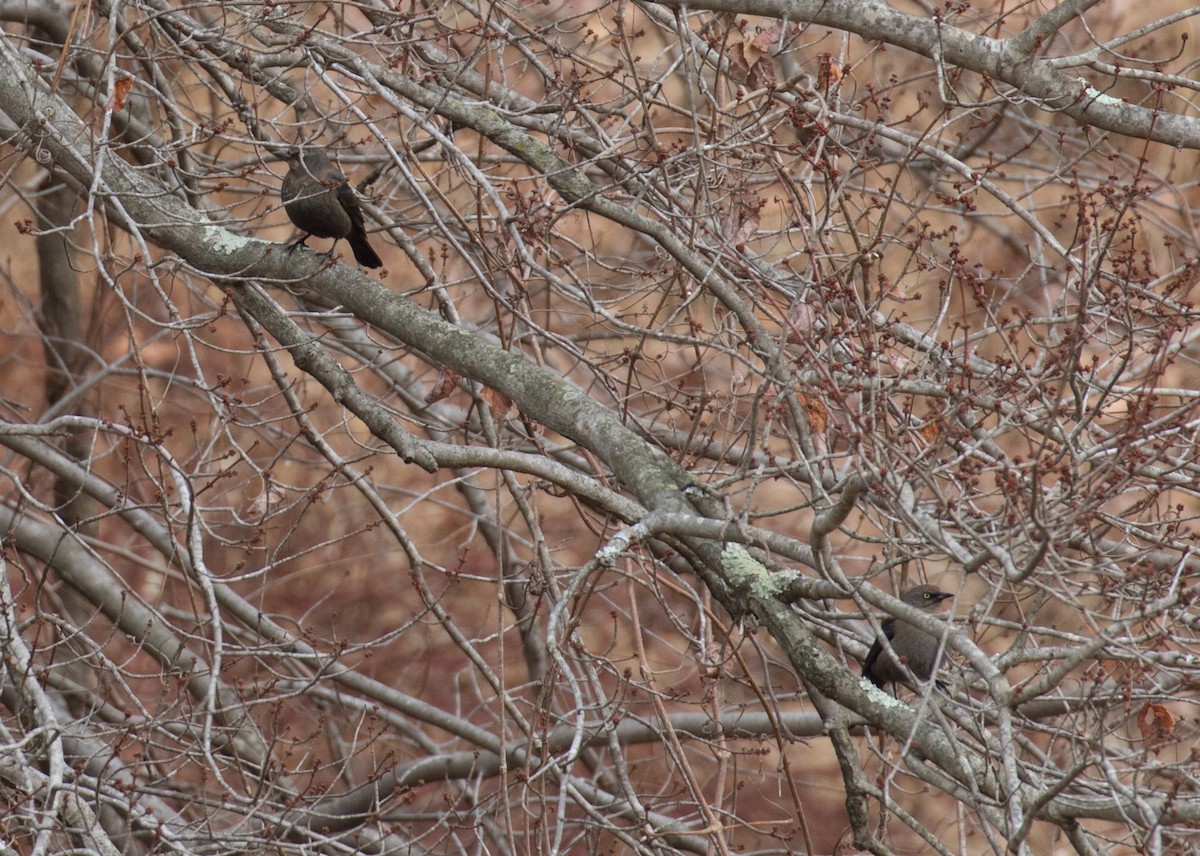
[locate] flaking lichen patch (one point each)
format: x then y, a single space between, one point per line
225 241
879 695
747 573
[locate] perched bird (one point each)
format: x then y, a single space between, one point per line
321 203
914 646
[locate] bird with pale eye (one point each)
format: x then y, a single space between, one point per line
322 204
917 649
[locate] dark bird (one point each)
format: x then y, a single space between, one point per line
322 204
914 646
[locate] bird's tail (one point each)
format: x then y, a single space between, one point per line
363 251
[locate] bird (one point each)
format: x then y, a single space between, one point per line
322 204
917 649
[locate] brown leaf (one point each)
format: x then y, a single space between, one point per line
446 383
815 410
739 68
116 98
499 403
763 39
1156 723
751 60
830 71
762 75
745 231
801 320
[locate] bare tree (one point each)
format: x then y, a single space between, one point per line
704 331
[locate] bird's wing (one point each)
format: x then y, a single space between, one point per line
345 195
889 631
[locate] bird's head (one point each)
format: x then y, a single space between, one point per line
926 597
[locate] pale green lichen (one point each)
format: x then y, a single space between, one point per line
879 695
1106 100
746 572
225 241
1099 97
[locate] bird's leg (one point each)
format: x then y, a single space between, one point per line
300 243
